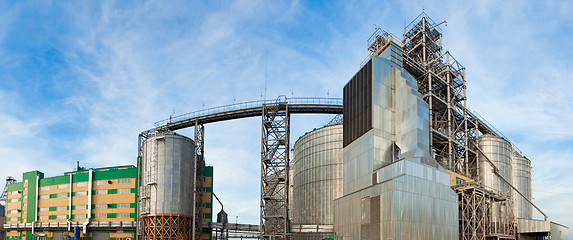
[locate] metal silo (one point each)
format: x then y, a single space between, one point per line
498 150
521 173
166 189
317 181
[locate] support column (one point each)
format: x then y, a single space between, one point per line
275 171
199 164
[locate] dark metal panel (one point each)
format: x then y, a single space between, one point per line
357 102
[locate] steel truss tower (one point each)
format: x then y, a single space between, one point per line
275 170
199 164
441 81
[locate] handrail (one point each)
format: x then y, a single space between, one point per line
249 105
488 124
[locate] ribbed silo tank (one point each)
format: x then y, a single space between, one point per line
498 150
166 187
521 179
317 180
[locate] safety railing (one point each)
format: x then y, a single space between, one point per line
248 105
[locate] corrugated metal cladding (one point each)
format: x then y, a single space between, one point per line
358 104
168 175
317 175
521 174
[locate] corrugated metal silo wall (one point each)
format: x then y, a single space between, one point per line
317 177
168 173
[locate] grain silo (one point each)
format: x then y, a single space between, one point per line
498 151
317 182
521 179
166 189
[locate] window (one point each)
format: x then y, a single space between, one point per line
123 205
13 211
14 200
14 219
44 209
62 195
25 213
101 215
46 188
124 180
62 186
101 206
61 217
43 217
123 215
82 184
78 207
25 196
25 180
81 193
14 192
79 216
124 190
101 192
44 196
61 208
101 182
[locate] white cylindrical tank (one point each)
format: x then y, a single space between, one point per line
317 175
498 150
521 179
167 175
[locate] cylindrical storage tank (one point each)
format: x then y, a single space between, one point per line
166 190
521 179
317 179
498 151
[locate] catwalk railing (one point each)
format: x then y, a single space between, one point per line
248 105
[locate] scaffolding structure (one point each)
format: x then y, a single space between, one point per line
441 80
274 171
476 204
166 226
199 181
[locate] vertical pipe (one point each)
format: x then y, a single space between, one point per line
70 205
194 202
36 203
90 179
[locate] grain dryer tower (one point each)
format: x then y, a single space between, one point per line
166 188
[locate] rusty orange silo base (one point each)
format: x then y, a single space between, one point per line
165 226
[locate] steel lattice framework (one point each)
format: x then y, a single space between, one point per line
165 226
199 182
441 81
274 170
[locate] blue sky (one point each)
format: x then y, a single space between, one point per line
80 80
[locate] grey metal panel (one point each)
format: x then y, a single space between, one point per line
558 231
358 104
532 226
521 179
409 194
317 175
167 177
99 236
